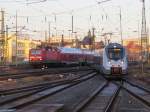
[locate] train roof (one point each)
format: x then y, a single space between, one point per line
70 50
73 51
76 51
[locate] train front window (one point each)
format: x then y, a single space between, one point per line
35 52
115 53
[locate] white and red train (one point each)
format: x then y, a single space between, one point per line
61 55
114 60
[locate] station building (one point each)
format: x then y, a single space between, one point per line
24 44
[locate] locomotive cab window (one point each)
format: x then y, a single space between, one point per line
115 53
35 52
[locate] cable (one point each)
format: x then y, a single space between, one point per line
63 12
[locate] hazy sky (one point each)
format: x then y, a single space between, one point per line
87 13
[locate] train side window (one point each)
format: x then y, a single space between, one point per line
35 52
50 49
55 49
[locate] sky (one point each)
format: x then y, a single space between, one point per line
103 17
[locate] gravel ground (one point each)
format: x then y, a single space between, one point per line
27 81
10 70
136 76
144 81
13 83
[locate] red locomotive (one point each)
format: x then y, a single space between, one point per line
60 55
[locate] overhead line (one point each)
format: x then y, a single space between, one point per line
63 12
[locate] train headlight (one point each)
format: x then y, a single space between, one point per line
122 62
109 62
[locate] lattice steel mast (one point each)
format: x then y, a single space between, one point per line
144 36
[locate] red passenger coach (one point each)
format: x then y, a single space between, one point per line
70 55
60 55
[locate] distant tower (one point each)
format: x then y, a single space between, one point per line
144 36
89 34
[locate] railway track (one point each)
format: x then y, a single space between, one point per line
145 81
97 101
40 72
27 99
103 98
138 92
41 85
101 101
136 85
